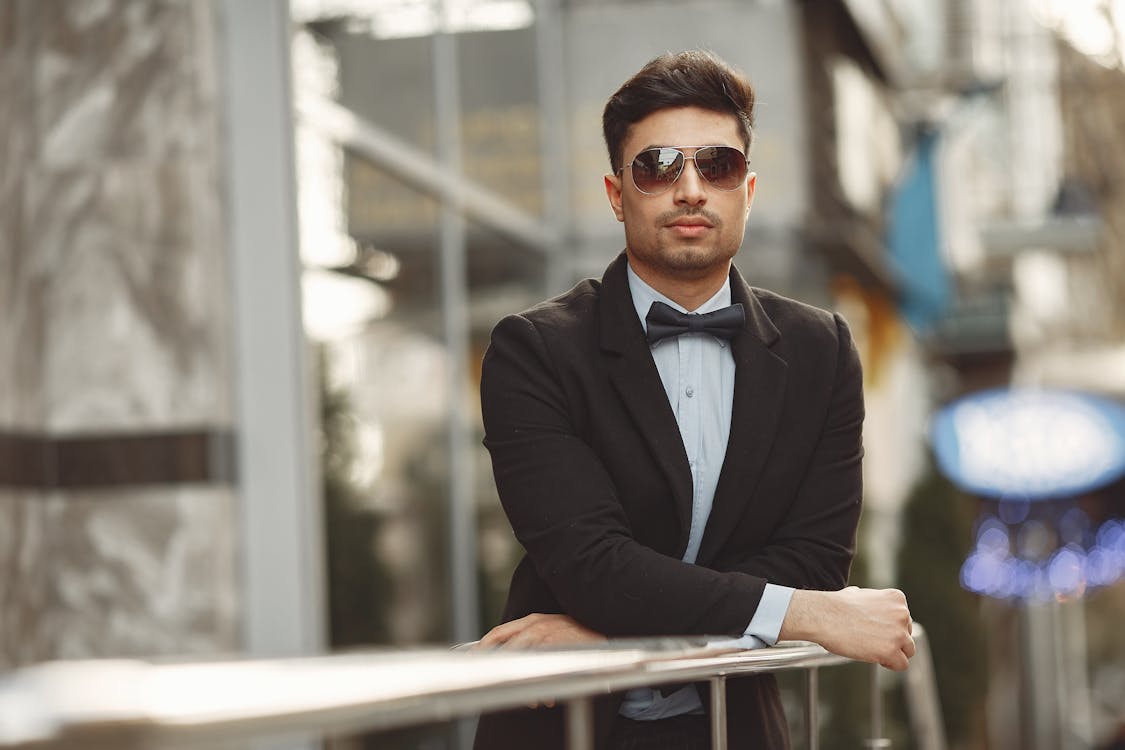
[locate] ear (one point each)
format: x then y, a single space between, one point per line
613 192
751 187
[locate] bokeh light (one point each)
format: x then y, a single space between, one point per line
1042 558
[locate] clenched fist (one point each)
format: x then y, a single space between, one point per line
870 625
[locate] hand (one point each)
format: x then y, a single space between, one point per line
539 630
870 625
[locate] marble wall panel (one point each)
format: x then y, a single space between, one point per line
113 317
21 288
124 197
117 574
22 579
137 326
119 79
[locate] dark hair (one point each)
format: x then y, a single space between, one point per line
685 79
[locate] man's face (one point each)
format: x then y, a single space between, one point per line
692 228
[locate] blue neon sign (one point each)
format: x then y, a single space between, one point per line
1034 443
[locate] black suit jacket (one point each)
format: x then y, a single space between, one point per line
593 476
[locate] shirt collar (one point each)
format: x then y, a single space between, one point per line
644 295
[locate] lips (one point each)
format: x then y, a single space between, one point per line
690 227
693 222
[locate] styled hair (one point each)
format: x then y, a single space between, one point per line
694 78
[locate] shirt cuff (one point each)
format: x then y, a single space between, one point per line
766 623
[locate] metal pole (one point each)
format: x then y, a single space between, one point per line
580 724
282 586
1070 667
812 719
454 308
719 713
554 135
455 327
877 739
1042 726
922 698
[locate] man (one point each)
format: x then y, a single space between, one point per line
674 474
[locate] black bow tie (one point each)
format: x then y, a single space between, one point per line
666 322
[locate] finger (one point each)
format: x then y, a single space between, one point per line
910 647
491 639
889 663
898 662
505 631
545 704
499 637
525 638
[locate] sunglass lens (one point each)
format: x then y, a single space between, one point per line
722 166
655 170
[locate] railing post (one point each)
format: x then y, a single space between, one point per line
719 713
877 741
812 719
922 697
580 724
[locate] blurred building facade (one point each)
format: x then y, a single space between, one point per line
1033 251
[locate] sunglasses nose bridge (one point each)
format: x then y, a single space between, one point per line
698 169
700 177
681 163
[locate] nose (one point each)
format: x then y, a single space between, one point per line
690 190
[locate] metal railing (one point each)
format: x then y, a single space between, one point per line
138 704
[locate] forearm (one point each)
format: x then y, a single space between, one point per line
619 587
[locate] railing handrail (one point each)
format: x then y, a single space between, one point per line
134 703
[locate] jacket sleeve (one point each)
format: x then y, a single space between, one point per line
563 507
813 544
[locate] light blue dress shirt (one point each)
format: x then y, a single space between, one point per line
697 371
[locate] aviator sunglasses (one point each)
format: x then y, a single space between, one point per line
654 170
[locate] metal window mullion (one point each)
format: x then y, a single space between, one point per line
455 328
455 331
553 137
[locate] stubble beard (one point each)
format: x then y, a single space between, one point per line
684 259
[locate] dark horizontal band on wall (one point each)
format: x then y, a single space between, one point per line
117 460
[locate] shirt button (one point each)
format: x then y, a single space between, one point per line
689 391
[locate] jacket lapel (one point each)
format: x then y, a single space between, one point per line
759 388
637 381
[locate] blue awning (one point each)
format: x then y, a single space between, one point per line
914 237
